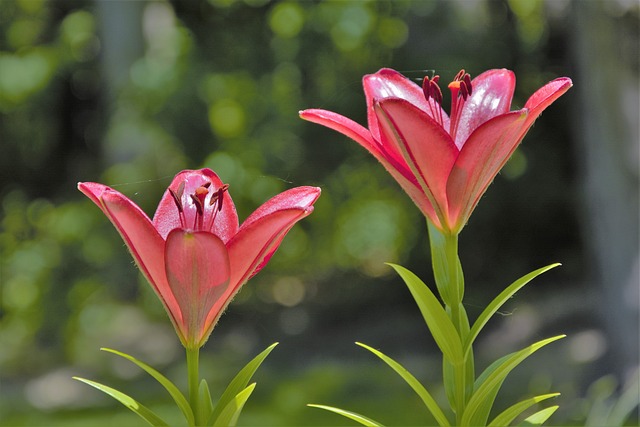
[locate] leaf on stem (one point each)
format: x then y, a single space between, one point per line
494 376
348 414
498 301
206 406
239 383
443 331
422 392
177 396
539 417
513 411
145 413
229 415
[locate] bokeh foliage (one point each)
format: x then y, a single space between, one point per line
129 93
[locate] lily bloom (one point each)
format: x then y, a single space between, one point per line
194 253
443 162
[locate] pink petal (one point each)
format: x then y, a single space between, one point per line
483 155
427 147
167 217
345 126
260 235
197 268
142 239
387 155
397 167
388 83
492 92
544 96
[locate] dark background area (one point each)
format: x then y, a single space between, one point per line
128 93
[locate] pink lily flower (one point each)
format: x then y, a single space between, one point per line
444 163
193 253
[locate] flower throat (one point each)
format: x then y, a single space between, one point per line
202 207
460 89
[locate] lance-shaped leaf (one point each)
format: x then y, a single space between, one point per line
239 383
229 415
365 421
485 390
145 413
498 301
539 417
205 407
420 390
177 396
508 415
443 331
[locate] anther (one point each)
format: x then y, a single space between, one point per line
198 203
177 200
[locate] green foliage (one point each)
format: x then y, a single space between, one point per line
426 398
237 391
177 396
365 421
141 410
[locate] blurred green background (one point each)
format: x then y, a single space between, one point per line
128 93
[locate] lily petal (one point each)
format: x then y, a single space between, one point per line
484 154
397 168
197 268
492 92
388 156
258 236
544 96
167 216
427 147
142 239
388 83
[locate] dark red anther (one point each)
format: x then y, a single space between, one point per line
176 199
462 82
217 196
198 203
467 82
431 89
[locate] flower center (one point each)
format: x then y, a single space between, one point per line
203 209
460 89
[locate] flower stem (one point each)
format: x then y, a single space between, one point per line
447 270
193 376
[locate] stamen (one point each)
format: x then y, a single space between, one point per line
177 198
431 91
197 221
460 88
217 196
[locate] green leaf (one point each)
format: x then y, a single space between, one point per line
498 301
485 392
239 382
482 415
539 417
348 414
205 407
177 396
429 402
438 322
145 413
229 415
513 411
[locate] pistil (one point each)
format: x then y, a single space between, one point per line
199 197
460 90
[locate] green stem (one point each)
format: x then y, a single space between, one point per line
193 380
450 282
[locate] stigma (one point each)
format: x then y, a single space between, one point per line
460 88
